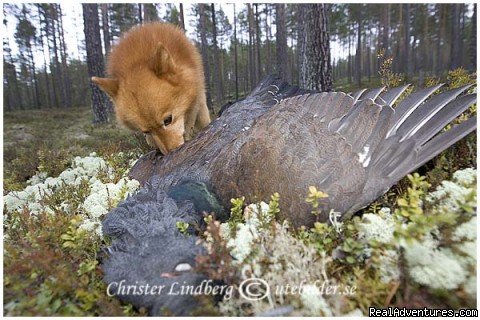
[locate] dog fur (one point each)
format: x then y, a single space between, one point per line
156 81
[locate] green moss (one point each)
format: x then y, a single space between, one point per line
50 264
51 268
46 140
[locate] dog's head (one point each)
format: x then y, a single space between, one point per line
152 98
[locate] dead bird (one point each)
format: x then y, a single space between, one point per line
278 139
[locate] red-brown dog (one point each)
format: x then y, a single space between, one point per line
156 81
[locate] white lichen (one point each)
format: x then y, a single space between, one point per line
466 231
242 244
102 196
314 302
465 177
388 266
379 227
451 194
470 287
468 249
437 268
247 232
443 256
39 177
266 249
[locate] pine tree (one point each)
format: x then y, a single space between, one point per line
105 28
150 12
217 77
316 68
95 60
202 28
67 85
235 46
473 40
281 36
182 17
456 39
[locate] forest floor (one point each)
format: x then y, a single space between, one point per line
50 138
51 265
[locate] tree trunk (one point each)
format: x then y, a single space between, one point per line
268 62
41 15
386 28
291 59
36 100
204 52
282 53
407 67
358 56
57 76
235 45
438 62
105 28
182 17
67 84
350 71
316 67
300 38
251 52
93 44
50 33
444 54
217 75
456 38
473 41
31 64
150 12
463 56
140 11
369 52
258 44
426 53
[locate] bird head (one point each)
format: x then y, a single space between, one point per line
150 262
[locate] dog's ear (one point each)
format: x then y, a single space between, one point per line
110 86
161 63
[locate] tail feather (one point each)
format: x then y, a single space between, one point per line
404 156
443 117
357 94
377 136
434 147
424 113
445 140
408 136
273 89
372 93
359 123
340 108
389 97
408 105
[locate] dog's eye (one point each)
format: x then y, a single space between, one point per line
146 132
167 120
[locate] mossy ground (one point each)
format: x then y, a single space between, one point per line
43 275
52 268
47 140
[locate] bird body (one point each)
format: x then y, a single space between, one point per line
278 139
284 139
